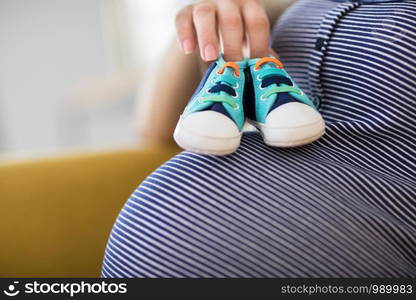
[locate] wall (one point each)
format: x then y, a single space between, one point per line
47 47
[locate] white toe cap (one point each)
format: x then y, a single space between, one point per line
292 124
293 114
210 124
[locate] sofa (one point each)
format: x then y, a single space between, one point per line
56 213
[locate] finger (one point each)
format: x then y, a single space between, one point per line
273 53
185 29
257 28
231 30
205 25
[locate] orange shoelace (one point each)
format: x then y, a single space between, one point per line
231 65
266 60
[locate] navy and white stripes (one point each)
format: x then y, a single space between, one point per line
344 206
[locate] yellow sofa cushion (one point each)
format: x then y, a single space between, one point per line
56 214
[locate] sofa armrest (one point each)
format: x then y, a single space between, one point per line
56 214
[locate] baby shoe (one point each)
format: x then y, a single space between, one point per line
213 120
277 107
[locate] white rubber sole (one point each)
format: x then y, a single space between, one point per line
210 145
286 137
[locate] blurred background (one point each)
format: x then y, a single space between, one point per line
76 79
74 74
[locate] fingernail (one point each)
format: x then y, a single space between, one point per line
187 46
210 53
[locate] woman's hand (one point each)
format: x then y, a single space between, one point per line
236 21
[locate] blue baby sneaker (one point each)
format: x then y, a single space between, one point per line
277 107
213 120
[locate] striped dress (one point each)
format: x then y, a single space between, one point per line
344 206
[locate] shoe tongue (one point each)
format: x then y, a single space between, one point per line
268 65
274 70
228 76
218 107
282 98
